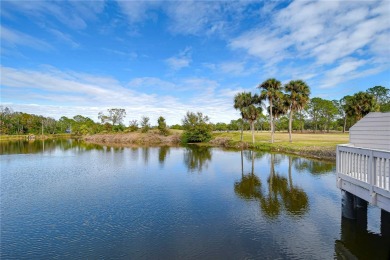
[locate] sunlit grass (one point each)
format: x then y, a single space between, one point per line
301 141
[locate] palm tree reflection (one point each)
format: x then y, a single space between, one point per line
279 195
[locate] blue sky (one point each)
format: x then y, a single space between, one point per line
167 57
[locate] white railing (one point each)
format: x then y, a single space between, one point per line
371 168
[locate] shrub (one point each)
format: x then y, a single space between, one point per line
162 126
196 128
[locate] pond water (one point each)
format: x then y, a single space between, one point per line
68 199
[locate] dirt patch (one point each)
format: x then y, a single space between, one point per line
133 139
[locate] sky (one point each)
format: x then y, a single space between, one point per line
164 58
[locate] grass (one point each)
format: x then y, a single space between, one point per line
321 145
37 137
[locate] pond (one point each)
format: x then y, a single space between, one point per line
69 199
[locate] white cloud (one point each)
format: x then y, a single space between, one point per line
318 36
15 38
182 60
70 93
232 68
74 14
138 11
151 82
349 69
264 44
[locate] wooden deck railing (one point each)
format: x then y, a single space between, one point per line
365 168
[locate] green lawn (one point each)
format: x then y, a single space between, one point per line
320 145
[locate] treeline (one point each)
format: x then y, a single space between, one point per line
19 123
290 108
315 114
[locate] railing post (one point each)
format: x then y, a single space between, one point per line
338 158
371 176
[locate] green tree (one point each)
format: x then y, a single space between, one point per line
382 97
145 125
221 127
280 107
360 104
246 103
252 113
162 126
196 128
234 125
298 95
241 101
270 89
313 110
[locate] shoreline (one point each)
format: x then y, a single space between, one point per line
327 153
324 149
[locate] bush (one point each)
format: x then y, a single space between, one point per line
145 125
162 126
196 128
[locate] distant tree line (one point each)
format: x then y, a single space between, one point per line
14 123
289 109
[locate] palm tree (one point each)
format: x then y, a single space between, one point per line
242 100
252 113
360 104
298 95
269 90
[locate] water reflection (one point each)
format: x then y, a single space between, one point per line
357 242
312 166
49 145
197 157
280 193
145 154
163 151
101 204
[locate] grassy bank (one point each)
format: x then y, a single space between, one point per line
320 146
36 137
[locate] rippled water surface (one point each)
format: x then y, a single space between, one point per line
67 199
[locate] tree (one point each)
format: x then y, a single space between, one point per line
246 103
115 116
196 127
313 110
382 97
145 125
252 113
327 113
242 100
280 107
298 95
270 89
344 105
360 104
162 126
133 125
221 126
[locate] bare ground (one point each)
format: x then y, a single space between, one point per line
133 139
